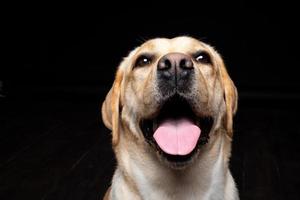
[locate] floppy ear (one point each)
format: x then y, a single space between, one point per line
230 92
231 98
111 108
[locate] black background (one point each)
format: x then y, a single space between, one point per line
62 60
70 45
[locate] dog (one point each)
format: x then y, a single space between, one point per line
170 111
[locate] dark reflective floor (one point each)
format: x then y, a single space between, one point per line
55 147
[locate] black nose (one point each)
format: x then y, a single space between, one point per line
176 69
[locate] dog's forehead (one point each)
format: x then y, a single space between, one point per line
163 46
177 44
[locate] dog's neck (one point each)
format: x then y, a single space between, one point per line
207 177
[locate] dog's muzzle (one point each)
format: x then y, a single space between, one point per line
177 131
174 73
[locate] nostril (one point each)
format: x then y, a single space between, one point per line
182 63
168 64
165 64
186 64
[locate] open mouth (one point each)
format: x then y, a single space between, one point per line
177 133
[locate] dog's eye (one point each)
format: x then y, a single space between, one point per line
202 57
143 60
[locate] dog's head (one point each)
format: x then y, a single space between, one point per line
172 95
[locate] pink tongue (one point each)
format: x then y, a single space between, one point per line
177 136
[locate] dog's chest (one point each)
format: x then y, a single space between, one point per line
194 189
195 185
182 194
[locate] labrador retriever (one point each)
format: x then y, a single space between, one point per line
170 111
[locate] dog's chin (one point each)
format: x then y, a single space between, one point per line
178 162
176 108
